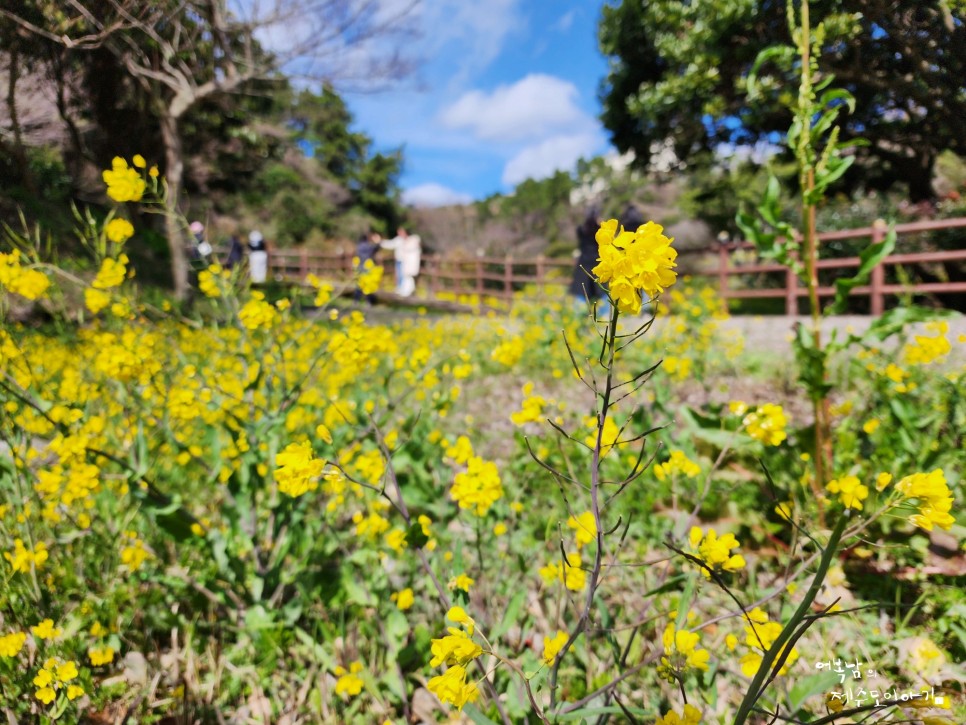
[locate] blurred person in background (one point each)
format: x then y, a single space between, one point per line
257 257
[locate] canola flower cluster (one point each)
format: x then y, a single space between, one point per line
933 497
716 552
26 281
456 650
681 653
766 423
632 263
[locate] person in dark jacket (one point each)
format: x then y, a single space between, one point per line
583 286
631 218
236 252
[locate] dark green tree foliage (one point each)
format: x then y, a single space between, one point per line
678 71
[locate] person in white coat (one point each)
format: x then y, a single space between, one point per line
411 258
257 257
407 251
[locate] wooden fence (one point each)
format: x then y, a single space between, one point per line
493 281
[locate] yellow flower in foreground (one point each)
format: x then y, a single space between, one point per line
123 182
100 655
461 582
634 262
370 278
451 686
11 644
715 551
568 573
257 313
935 500
767 424
681 653
111 273
691 716
459 615
298 469
349 683
404 599
553 645
96 300
23 558
677 463
456 648
119 230
585 528
46 630
478 487
851 491
760 638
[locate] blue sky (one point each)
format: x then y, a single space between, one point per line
507 90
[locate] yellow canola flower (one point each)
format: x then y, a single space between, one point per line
677 463
297 469
257 313
478 487
100 655
462 581
461 451
23 558
96 300
11 644
370 279
456 648
553 645
630 263
404 599
767 424
715 551
851 491
119 230
46 630
585 528
458 614
681 653
453 688
111 273
123 182
935 500
567 573
760 639
349 683
690 716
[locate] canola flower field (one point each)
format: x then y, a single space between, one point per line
267 514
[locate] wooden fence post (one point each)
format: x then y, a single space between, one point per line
877 279
723 271
791 293
508 280
479 282
540 274
303 264
432 268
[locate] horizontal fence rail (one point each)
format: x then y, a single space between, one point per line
491 282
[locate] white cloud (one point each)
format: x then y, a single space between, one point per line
530 108
432 194
557 153
565 21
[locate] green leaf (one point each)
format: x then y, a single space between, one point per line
809 687
509 616
474 714
870 257
603 710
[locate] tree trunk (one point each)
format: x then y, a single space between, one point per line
18 152
173 226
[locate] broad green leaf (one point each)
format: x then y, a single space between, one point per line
870 257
